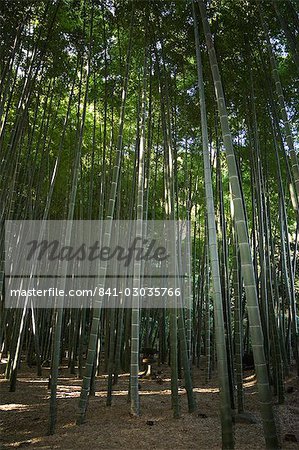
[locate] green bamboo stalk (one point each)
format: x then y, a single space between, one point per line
225 410
247 268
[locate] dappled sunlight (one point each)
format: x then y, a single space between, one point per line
69 425
66 395
249 384
38 381
20 407
14 407
249 381
120 393
141 392
208 390
23 443
67 391
250 377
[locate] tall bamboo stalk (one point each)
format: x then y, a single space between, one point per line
244 246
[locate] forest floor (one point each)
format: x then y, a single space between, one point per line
25 415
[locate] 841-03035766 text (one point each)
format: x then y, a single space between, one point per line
98 291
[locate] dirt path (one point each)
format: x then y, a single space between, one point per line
24 416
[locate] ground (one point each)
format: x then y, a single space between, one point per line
24 415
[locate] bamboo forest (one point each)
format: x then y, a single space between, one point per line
182 113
